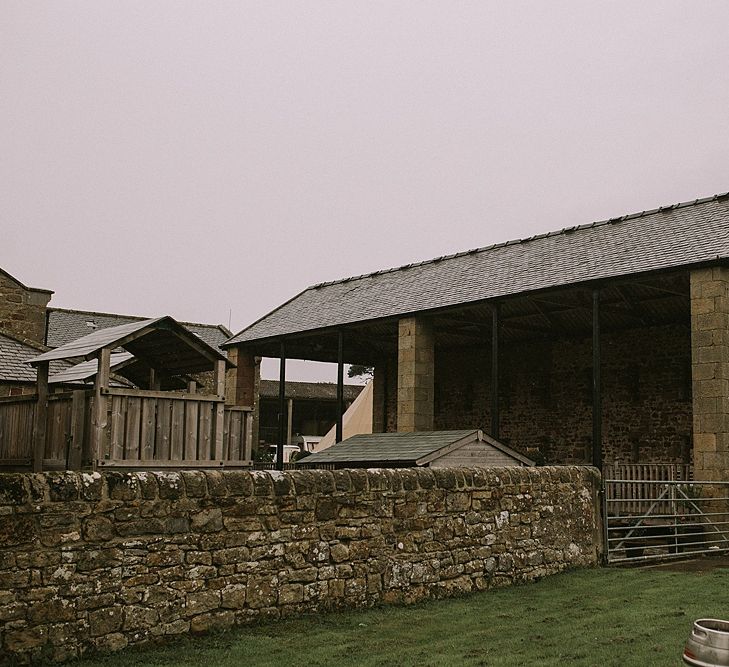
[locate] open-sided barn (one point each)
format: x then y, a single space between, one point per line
603 342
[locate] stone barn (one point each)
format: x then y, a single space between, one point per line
606 342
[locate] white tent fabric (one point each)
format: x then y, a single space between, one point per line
356 420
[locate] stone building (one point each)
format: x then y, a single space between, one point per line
28 326
23 309
311 408
607 342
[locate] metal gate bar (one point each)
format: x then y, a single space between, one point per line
661 519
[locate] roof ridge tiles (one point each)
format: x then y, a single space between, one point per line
503 244
128 317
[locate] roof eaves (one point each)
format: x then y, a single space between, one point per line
231 341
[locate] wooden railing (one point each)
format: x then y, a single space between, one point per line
634 484
141 429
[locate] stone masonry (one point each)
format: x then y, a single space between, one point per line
97 562
546 395
710 362
242 384
415 375
23 309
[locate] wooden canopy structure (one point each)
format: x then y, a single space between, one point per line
113 426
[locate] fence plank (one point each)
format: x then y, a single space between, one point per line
248 454
204 434
132 428
191 419
162 432
148 419
78 417
236 452
177 433
115 447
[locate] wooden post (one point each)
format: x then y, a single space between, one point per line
154 380
219 410
281 406
290 421
249 437
495 372
596 383
78 419
191 387
41 414
340 387
98 416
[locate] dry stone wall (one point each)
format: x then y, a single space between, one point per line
96 562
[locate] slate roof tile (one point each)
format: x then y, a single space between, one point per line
681 235
14 354
65 326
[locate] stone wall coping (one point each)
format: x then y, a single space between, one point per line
48 487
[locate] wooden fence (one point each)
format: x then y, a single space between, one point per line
141 429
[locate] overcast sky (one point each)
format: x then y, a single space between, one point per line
198 158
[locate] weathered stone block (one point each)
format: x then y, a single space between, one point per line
13 489
105 621
98 529
15 529
207 521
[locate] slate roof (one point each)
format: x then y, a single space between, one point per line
179 341
400 447
13 355
684 234
309 390
404 448
64 326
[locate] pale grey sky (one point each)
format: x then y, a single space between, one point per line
188 158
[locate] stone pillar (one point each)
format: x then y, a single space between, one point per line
379 397
710 372
242 384
415 375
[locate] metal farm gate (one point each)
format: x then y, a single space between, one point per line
663 514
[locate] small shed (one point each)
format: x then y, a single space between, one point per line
434 449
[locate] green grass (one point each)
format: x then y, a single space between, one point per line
590 617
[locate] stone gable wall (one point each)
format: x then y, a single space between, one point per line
23 310
94 562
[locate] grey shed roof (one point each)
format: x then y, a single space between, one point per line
684 234
14 354
161 339
401 447
64 326
87 369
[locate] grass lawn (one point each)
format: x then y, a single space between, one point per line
589 617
